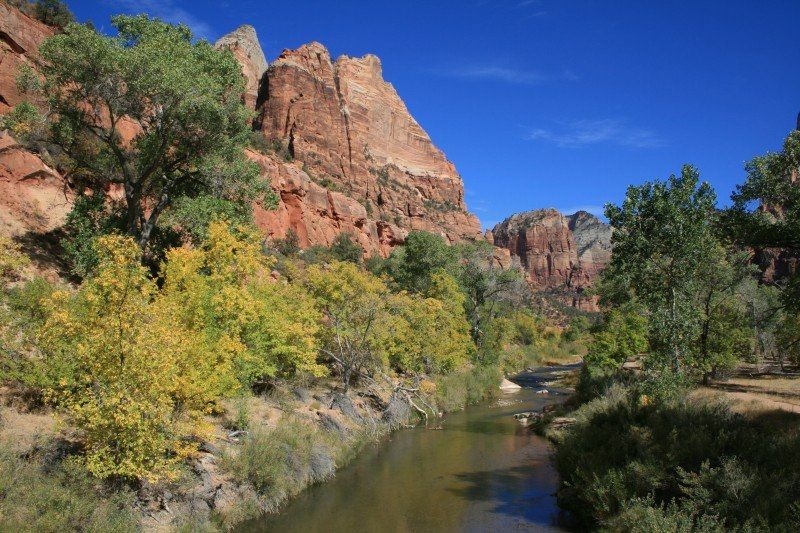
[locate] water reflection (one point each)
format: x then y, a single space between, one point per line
481 472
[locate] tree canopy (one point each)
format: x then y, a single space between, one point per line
154 113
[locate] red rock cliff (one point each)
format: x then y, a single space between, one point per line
559 253
20 37
361 163
350 133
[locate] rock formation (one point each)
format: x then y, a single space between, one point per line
559 253
20 37
360 163
349 132
33 197
243 43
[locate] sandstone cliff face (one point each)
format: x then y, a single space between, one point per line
20 37
558 253
243 43
351 133
33 197
361 163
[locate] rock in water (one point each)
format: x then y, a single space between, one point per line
509 386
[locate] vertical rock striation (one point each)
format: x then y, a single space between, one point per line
243 43
350 132
559 253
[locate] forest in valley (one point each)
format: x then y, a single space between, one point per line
179 328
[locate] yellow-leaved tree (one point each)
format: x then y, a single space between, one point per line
360 332
137 368
112 364
249 324
431 333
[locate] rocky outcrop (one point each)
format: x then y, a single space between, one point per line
352 134
317 214
33 197
243 43
357 160
593 241
20 37
559 253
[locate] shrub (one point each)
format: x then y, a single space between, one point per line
345 248
12 258
686 464
289 246
282 462
25 123
91 217
62 499
457 390
115 376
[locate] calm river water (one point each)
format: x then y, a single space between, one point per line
482 472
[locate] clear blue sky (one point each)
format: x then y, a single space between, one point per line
552 102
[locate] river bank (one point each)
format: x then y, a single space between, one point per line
482 471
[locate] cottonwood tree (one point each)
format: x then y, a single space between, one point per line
664 244
358 326
726 325
152 112
766 214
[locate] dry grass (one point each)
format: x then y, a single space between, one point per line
25 431
758 394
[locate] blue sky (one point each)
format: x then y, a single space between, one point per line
545 103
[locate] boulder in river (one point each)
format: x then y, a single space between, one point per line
509 386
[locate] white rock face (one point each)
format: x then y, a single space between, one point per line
509 386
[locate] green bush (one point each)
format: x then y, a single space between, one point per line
686 465
457 390
345 248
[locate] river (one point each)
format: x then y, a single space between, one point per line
482 471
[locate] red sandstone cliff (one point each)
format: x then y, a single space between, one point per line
350 133
20 37
32 195
562 254
361 163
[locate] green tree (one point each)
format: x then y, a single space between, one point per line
622 335
91 216
360 332
766 208
423 254
726 330
53 12
344 248
490 289
153 113
663 238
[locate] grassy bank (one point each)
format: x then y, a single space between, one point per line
39 493
630 463
309 442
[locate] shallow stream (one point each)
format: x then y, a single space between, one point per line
483 471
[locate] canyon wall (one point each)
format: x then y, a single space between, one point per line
33 197
339 147
347 130
562 254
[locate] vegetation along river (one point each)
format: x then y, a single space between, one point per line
483 471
